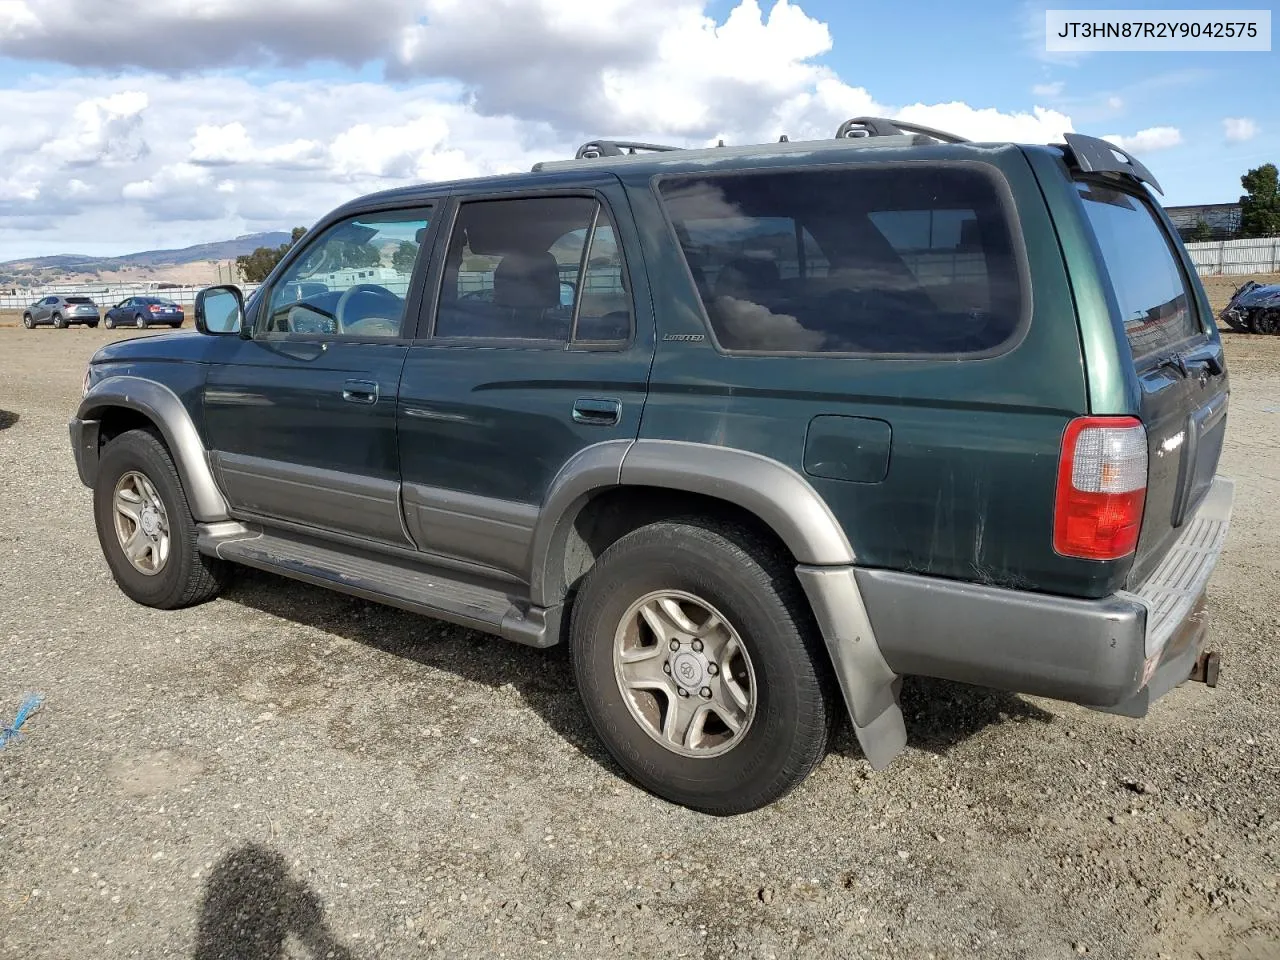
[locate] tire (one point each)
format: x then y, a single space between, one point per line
92 324
1265 321
59 322
184 577
741 577
139 322
28 322
109 322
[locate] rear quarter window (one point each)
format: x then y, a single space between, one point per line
1155 304
902 260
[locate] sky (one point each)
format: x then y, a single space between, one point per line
141 124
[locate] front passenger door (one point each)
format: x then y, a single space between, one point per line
301 416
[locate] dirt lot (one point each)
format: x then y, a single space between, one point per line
289 772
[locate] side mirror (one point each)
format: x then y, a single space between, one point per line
220 311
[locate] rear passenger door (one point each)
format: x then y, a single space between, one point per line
537 346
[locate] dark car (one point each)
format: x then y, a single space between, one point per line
1254 308
61 312
142 312
818 415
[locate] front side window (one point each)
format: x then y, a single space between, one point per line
902 260
353 279
534 269
1155 305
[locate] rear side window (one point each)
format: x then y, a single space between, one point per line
902 260
1149 285
535 269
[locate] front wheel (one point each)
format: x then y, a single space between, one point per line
145 527
27 321
700 665
110 322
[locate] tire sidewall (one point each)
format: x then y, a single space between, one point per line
761 621
27 321
59 321
139 322
141 452
110 323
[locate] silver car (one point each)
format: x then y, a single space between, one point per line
61 312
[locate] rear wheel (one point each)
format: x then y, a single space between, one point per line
700 666
145 527
140 322
1265 321
27 321
92 324
59 321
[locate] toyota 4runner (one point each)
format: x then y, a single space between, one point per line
755 430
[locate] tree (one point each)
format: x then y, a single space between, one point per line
1260 206
255 266
1201 231
406 256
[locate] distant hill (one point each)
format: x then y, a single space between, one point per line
35 267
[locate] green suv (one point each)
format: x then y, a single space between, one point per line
755 430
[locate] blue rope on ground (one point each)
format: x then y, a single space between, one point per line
29 706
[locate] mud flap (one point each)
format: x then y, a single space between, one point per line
869 686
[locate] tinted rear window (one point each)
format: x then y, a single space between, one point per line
1149 285
909 259
78 300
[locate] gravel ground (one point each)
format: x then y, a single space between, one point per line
287 772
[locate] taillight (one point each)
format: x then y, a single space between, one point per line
1102 486
155 309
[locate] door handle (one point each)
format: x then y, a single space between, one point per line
360 391
597 411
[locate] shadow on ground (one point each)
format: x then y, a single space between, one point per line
939 715
252 904
7 419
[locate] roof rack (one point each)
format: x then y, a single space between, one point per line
617 148
881 127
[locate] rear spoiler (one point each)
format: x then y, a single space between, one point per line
1092 155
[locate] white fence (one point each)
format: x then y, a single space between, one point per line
1215 257
107 295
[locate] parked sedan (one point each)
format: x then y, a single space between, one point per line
61 312
142 312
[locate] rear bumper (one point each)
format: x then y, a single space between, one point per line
1118 654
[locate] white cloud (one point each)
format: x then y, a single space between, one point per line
1048 89
104 130
476 89
1239 129
1149 140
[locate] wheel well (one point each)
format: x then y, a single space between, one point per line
114 421
611 514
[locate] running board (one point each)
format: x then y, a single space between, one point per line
417 588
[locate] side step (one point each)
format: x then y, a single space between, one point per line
408 585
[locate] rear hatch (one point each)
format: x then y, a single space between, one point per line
1176 356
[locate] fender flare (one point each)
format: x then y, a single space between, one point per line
162 407
770 490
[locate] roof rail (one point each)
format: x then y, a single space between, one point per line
881 127
617 148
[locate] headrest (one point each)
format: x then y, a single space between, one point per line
527 280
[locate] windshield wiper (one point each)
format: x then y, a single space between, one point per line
1175 361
